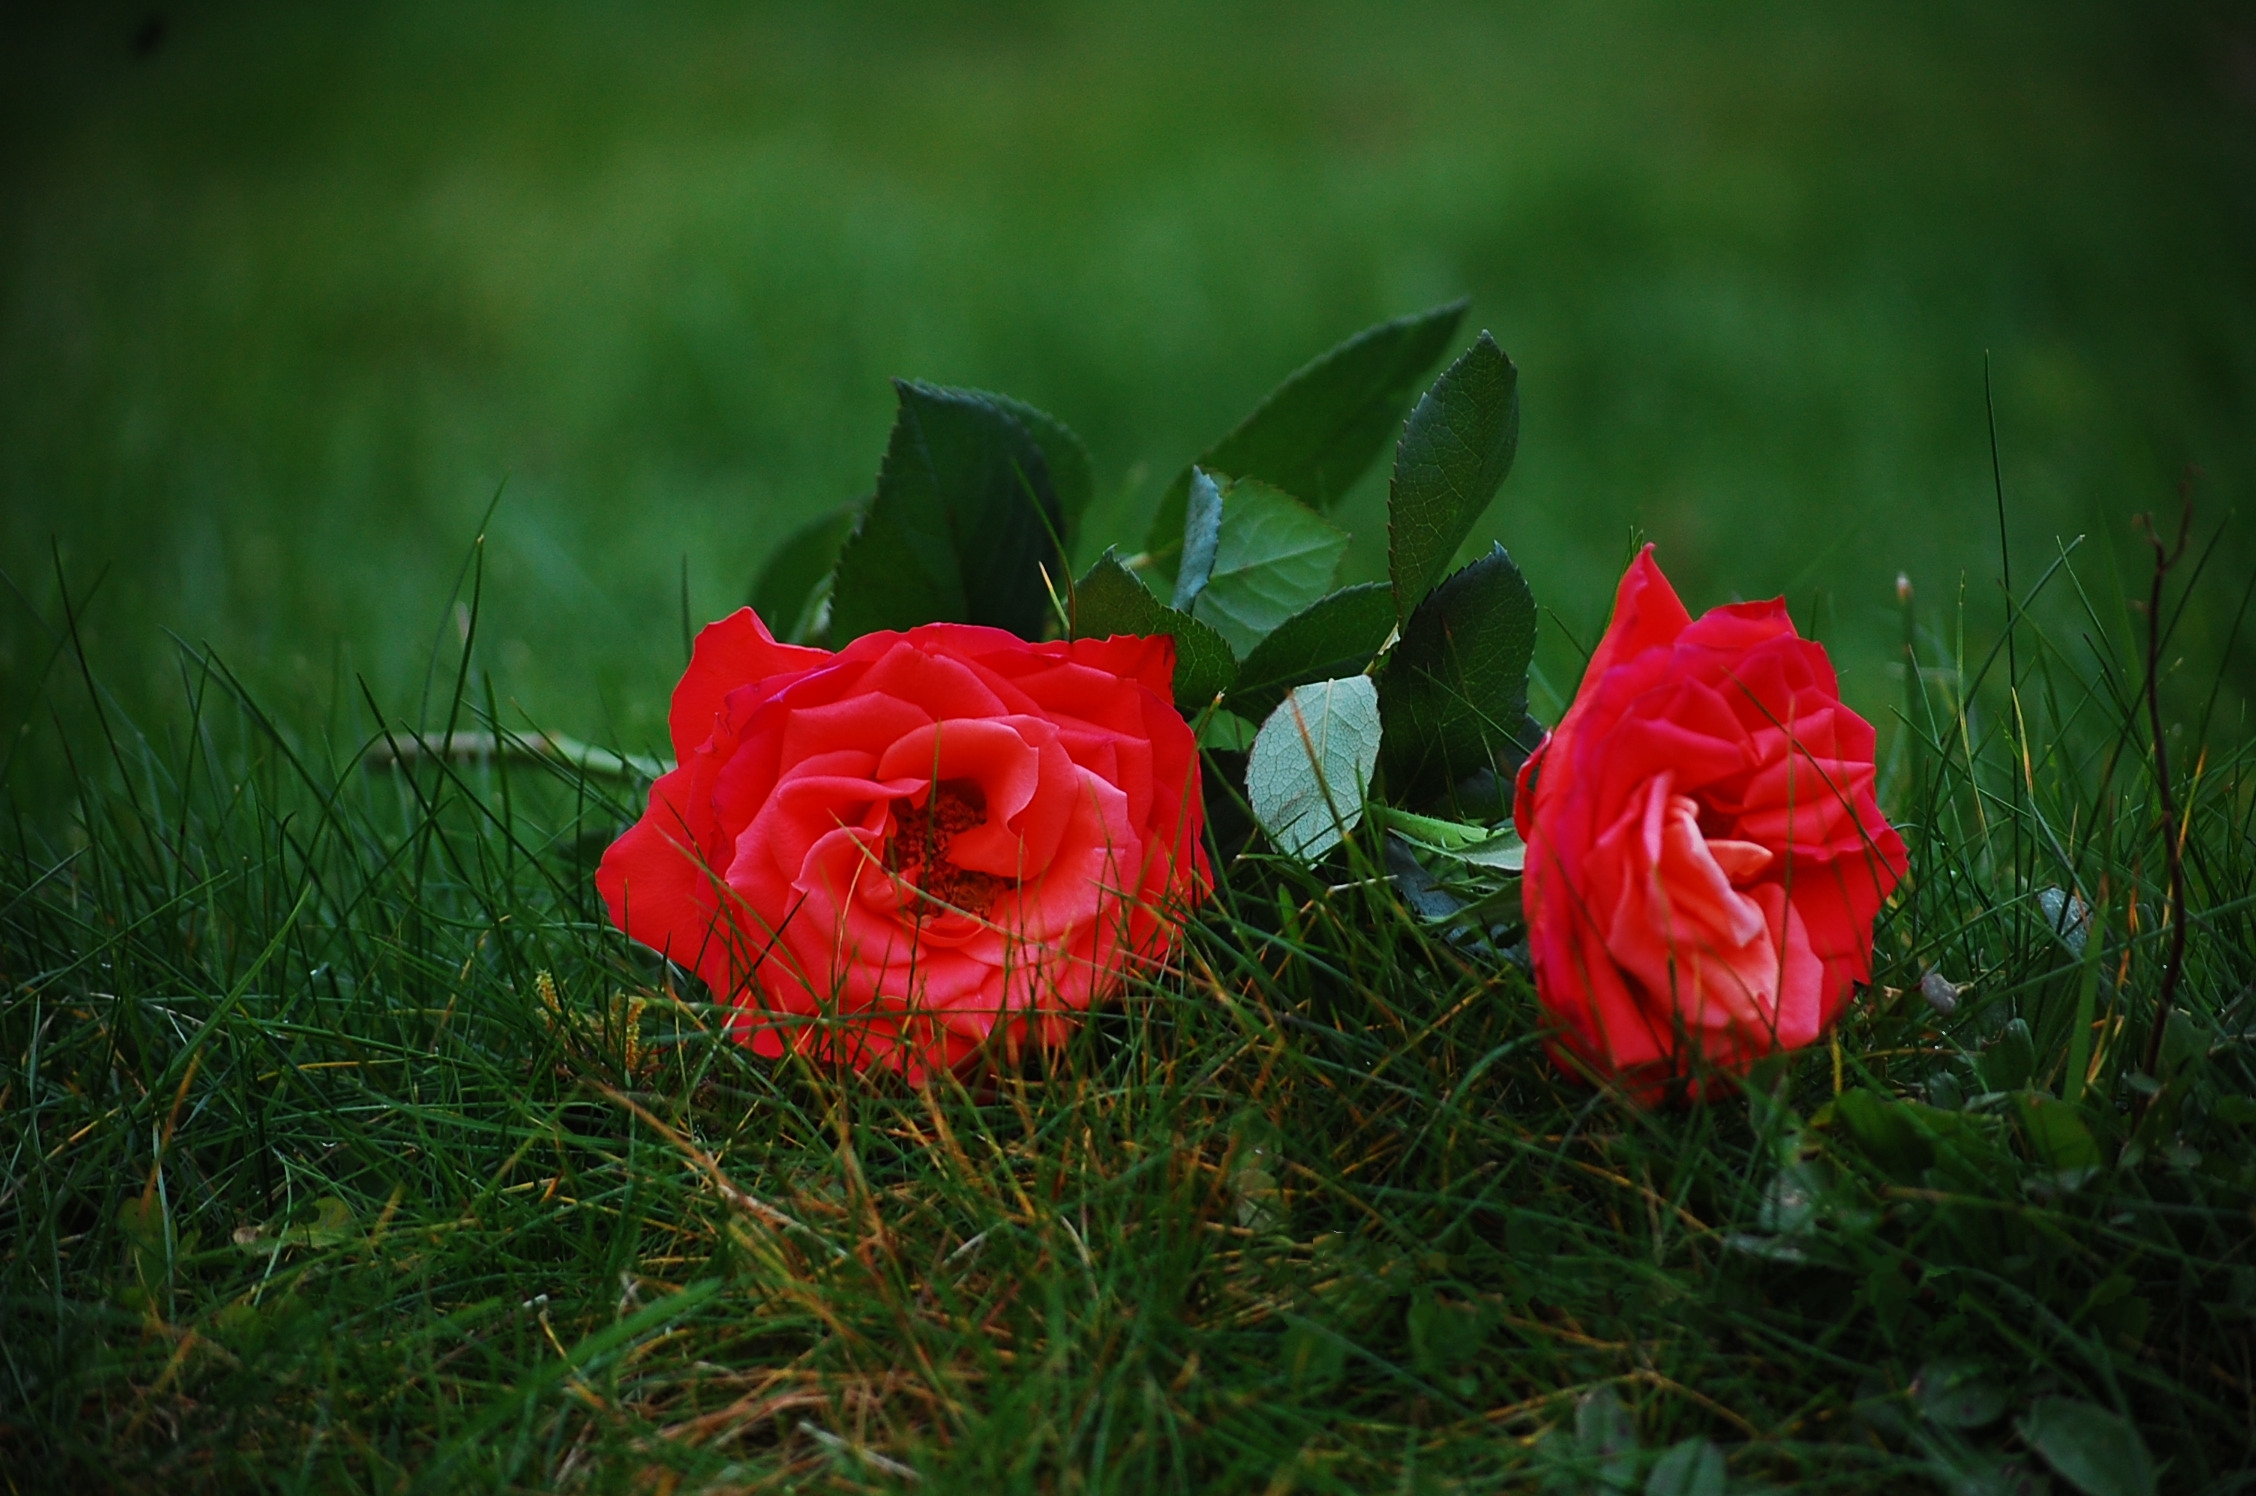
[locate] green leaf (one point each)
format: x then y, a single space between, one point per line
1454 691
1452 458
2235 1111
2088 1447
2010 1059
1338 634
1316 433
1202 532
1692 1468
796 581
964 521
2184 1038
2057 1136
1110 600
1313 1355
1445 1333
1887 1131
1958 1393
1311 764
1273 556
332 1225
1073 477
1608 1436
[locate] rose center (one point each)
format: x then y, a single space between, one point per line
917 852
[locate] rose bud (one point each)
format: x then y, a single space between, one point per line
922 849
1705 857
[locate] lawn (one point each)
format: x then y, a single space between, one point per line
425 368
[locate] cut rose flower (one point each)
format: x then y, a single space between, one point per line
922 848
1705 856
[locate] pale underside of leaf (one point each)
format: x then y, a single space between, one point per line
1311 765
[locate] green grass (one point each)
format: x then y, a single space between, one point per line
308 1186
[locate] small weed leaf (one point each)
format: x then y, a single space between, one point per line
1314 1356
2116 1309
2011 1058
332 1224
1311 765
1445 1333
1959 1394
1253 1178
1887 1131
1794 1202
1888 1294
1607 1437
2087 1446
142 1223
1692 1468
2057 1137
2185 1039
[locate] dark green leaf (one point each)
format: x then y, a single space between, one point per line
2184 1038
2236 1111
1445 1333
1073 477
1110 600
1887 1131
1692 1468
2057 1135
1338 634
2088 1447
1313 1355
1958 1393
1608 1436
1454 692
795 582
2008 1060
1316 433
964 521
1202 532
1452 457
1273 556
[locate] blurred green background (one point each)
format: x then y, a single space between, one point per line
288 292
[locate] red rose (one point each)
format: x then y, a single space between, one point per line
893 854
1704 853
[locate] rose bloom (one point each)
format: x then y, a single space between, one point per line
1704 853
923 848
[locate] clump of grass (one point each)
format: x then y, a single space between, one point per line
348 1148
